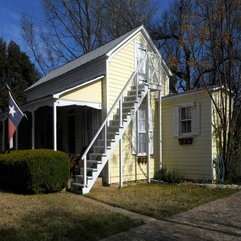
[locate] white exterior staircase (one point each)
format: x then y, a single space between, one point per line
118 119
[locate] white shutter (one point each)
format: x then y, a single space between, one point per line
140 55
134 139
196 119
175 121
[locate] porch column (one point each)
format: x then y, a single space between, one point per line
16 139
33 129
3 136
120 164
160 127
148 135
55 125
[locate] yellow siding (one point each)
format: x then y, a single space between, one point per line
120 68
195 160
88 93
132 170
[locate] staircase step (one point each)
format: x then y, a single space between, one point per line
89 169
140 86
131 98
99 148
124 116
128 103
77 184
113 128
102 142
95 155
133 92
80 178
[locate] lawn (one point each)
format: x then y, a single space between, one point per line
59 216
155 200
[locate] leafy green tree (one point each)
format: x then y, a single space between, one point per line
16 70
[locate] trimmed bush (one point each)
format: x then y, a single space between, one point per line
34 171
170 176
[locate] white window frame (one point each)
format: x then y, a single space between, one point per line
195 120
185 120
141 129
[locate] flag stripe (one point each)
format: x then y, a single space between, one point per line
11 129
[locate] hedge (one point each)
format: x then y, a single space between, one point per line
34 171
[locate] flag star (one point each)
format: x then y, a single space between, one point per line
12 111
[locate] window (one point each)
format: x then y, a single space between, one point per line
186 120
139 131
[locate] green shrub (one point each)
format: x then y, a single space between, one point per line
34 171
170 176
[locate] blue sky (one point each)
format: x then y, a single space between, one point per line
10 14
12 10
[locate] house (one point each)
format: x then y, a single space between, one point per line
113 106
188 128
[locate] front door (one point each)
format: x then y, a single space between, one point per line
141 52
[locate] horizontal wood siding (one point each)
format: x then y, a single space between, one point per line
132 170
195 160
77 76
88 93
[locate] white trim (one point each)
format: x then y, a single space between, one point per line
55 125
160 128
57 95
148 41
107 86
148 135
125 41
94 105
120 164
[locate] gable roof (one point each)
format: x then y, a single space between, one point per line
94 54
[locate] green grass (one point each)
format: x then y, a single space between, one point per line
159 201
59 216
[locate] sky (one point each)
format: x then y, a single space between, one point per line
12 10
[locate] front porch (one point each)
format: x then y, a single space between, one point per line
75 127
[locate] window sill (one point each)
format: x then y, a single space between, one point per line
185 140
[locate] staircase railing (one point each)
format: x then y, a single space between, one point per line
102 132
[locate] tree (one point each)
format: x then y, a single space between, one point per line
73 28
16 70
200 40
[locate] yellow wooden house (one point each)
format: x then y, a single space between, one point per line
107 106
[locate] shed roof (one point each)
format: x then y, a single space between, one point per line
94 54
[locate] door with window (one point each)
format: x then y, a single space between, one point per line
141 51
139 131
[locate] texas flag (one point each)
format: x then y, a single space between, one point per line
15 115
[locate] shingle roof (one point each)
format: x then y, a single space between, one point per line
94 54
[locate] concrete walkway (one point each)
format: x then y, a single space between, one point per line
217 220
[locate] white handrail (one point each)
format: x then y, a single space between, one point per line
117 101
112 108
